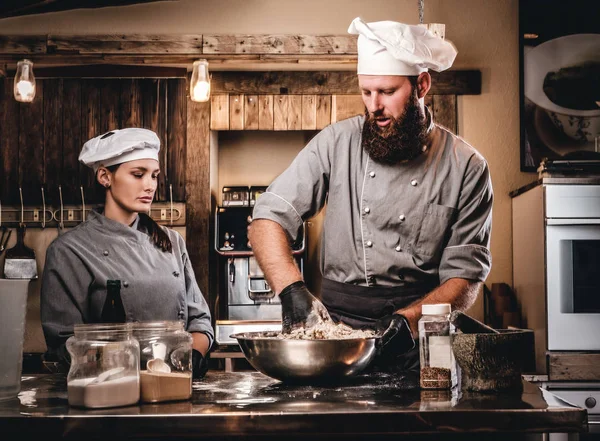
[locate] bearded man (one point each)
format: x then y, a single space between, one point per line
409 204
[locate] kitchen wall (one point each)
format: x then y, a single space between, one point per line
485 33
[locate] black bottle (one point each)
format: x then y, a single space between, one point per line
113 310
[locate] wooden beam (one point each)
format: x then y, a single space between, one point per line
279 44
23 45
459 82
125 44
107 71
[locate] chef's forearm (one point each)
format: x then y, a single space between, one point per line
273 253
460 293
200 342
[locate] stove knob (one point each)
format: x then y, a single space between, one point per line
590 402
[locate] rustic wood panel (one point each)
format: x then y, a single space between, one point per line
9 143
31 147
280 111
571 366
126 44
309 112
323 112
90 127
198 204
154 104
294 116
72 142
109 71
53 136
346 106
460 82
236 112
328 44
131 104
26 44
219 112
251 44
265 112
444 111
284 82
251 112
176 136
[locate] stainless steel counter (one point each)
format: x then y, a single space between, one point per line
252 406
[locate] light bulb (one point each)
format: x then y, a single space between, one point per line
200 82
25 88
24 84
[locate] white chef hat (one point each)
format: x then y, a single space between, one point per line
392 48
119 146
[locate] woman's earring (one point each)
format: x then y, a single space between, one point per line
107 185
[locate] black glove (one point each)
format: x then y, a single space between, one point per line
199 364
299 308
395 337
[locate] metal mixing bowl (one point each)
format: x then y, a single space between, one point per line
306 360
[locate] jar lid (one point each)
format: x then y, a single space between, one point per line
438 309
159 325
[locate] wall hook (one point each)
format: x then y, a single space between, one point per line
43 209
83 204
22 207
61 224
171 200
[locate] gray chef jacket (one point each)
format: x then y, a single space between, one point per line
419 222
155 285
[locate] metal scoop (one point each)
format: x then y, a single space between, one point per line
157 364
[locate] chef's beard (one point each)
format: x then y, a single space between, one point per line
403 139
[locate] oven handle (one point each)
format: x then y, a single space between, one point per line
594 221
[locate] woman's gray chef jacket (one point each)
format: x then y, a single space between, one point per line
155 285
418 222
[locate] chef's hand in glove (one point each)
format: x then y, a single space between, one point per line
395 337
199 364
299 308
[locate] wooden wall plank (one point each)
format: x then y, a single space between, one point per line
280 112
23 44
131 103
198 204
294 116
53 136
251 44
31 146
323 111
236 112
265 112
219 112
309 112
72 131
346 106
9 143
251 112
154 107
110 105
126 44
573 366
444 111
90 127
176 136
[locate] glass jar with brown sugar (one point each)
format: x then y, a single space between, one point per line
438 367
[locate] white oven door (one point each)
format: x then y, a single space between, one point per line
573 284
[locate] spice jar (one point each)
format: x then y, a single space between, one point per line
165 360
104 370
438 368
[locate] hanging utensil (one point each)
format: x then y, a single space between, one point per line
20 260
4 239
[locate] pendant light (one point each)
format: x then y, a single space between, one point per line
24 89
200 84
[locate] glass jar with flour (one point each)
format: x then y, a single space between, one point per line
165 360
104 368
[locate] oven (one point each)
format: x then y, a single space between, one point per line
556 268
585 395
573 267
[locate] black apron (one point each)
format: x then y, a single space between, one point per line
361 306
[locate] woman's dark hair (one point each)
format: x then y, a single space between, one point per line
158 235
